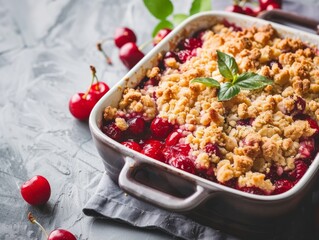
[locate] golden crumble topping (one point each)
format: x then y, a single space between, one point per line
255 129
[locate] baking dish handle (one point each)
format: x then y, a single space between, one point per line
283 17
157 197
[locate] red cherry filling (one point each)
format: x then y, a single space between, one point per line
161 35
282 186
207 173
185 164
161 128
313 124
253 190
184 55
171 54
213 149
177 156
232 25
112 131
132 145
136 125
299 171
307 148
300 105
151 82
148 82
199 34
153 149
273 62
190 44
173 138
245 122
275 173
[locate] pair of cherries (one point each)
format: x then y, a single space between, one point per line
264 5
130 54
37 191
125 40
81 104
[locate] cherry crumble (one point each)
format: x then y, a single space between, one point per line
261 141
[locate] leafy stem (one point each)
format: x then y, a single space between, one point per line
163 11
228 68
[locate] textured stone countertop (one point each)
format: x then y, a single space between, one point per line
46 48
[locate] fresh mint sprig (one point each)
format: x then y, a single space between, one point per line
163 11
228 68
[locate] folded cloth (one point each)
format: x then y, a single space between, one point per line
110 201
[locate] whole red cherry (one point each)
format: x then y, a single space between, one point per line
173 138
273 6
36 191
249 11
57 234
265 3
97 89
61 234
161 35
130 55
235 9
124 35
132 145
153 149
161 127
81 105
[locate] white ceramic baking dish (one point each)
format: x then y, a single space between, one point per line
169 187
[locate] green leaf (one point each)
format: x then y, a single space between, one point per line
160 9
227 91
178 18
200 6
251 80
227 65
161 25
209 82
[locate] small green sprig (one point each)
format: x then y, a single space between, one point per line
163 11
228 68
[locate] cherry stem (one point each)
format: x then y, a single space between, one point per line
100 48
94 77
34 221
236 2
242 3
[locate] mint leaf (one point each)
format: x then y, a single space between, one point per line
178 18
162 24
227 91
200 6
160 9
209 82
251 80
227 65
